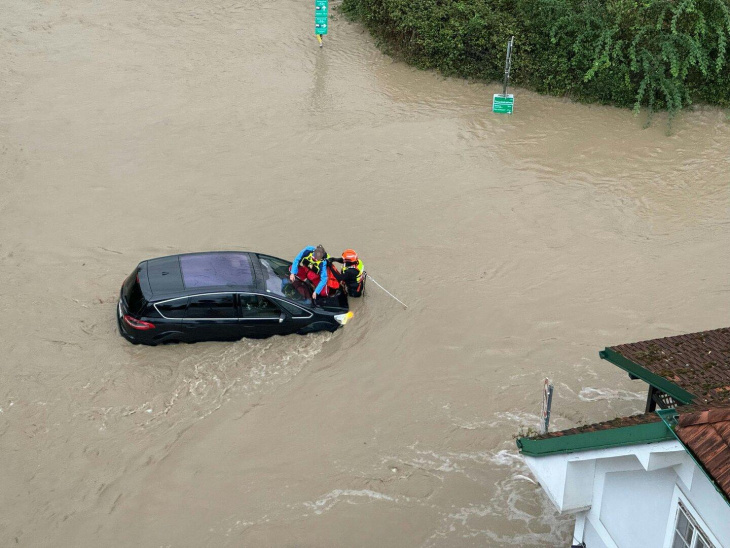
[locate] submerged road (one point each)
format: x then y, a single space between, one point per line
523 245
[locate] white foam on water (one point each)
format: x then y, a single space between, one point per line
516 498
249 367
475 425
450 461
599 394
328 501
506 457
520 418
210 374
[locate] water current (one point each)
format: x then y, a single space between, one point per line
522 244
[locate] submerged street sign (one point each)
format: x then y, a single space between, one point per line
503 103
321 11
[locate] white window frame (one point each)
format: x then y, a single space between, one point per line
677 497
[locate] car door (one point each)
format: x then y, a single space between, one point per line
172 312
260 316
298 318
212 317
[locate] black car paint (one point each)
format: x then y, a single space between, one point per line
184 329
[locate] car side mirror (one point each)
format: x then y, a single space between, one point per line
282 317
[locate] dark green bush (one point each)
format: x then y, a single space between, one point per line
632 53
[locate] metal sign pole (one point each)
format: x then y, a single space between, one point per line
502 103
547 402
508 64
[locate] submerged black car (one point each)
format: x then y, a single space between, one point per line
219 296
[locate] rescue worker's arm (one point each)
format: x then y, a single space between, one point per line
322 280
298 259
337 274
349 275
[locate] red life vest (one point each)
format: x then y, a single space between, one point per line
332 283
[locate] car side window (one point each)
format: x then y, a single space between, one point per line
279 266
173 309
256 306
295 311
220 305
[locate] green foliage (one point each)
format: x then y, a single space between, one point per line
658 54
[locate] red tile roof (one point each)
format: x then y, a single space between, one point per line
707 434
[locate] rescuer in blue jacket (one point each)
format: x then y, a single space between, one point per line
311 265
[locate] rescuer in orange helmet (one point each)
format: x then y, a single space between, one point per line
353 275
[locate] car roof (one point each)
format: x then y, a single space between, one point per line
189 273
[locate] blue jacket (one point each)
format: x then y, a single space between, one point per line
322 271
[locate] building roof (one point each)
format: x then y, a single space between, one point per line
707 435
619 422
692 368
647 428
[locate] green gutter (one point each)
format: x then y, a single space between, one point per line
636 370
670 416
600 439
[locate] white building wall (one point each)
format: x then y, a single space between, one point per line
626 497
635 506
592 539
710 505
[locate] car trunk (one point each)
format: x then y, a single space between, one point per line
132 292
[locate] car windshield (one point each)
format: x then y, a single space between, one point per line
276 273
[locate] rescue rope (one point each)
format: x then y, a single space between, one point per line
369 277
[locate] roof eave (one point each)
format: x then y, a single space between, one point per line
584 441
636 370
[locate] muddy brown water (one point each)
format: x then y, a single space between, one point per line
522 244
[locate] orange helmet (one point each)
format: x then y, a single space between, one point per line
349 255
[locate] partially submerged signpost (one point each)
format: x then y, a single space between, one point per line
547 402
321 11
503 103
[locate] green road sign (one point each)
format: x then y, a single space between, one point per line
321 10
503 103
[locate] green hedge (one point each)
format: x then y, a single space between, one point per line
662 54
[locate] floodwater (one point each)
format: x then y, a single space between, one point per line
523 245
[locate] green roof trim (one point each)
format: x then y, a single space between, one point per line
670 417
599 439
653 379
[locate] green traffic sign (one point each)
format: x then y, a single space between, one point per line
321 10
503 103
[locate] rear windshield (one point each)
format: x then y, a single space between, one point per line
132 293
